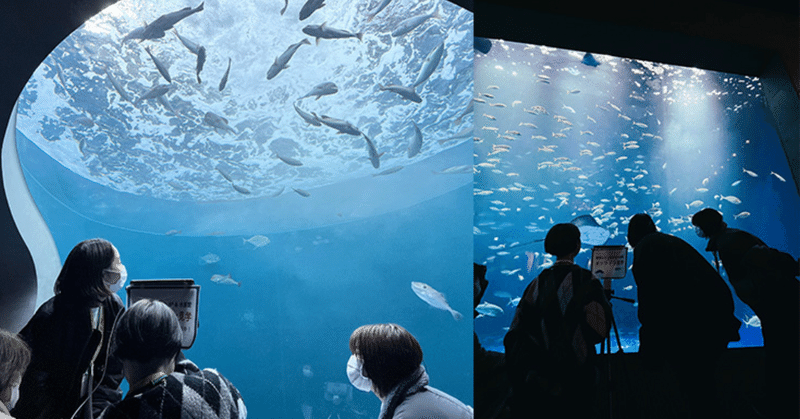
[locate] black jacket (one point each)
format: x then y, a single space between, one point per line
62 345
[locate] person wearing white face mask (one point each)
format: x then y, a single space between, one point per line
387 360
14 358
72 374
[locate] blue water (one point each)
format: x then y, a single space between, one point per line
302 294
167 189
564 139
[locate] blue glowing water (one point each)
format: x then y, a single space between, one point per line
558 139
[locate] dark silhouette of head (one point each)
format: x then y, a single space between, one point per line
639 226
148 332
563 240
388 352
709 221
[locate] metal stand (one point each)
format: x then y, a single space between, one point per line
605 346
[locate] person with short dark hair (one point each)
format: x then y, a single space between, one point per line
387 360
14 359
550 353
677 286
163 384
765 279
69 335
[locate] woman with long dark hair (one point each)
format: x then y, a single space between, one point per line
71 374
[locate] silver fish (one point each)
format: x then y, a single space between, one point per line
217 122
374 157
310 7
288 160
159 65
224 280
242 190
225 175
342 126
430 64
224 80
487 309
322 89
201 59
434 298
304 194
165 22
210 258
190 45
156 91
309 118
117 86
416 143
410 24
389 171
282 61
382 5
325 32
405 92
258 240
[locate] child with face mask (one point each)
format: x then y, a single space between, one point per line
14 358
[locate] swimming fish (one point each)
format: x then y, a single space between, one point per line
377 9
753 321
430 64
159 65
325 32
163 23
406 92
322 89
488 309
309 118
751 173
374 157
224 80
310 7
210 258
780 178
257 240
201 59
416 143
694 204
434 298
743 214
302 192
340 125
282 61
241 189
391 170
225 280
732 199
218 122
290 161
156 91
411 23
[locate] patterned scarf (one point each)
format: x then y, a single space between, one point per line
415 383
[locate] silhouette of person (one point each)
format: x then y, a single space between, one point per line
489 370
69 336
681 299
550 353
764 279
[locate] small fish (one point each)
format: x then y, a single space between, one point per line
242 190
325 32
201 60
309 118
301 192
193 47
434 298
382 5
322 89
340 125
156 91
780 178
225 174
172 232
224 80
159 65
628 288
751 173
391 170
753 321
288 160
257 240
694 204
310 7
218 122
210 258
736 183
165 22
732 199
284 7
282 61
374 157
705 182
743 214
411 23
416 143
488 309
224 280
430 64
405 92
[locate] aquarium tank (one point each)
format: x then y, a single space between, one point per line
302 164
567 136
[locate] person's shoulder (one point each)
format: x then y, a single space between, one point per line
433 398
